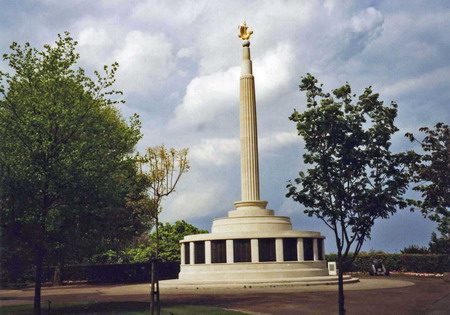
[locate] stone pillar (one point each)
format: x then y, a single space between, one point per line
192 253
323 248
207 252
300 253
230 251
182 254
279 249
315 249
249 135
254 250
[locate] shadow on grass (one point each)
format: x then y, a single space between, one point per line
115 308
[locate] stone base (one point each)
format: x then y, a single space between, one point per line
252 223
245 283
253 271
252 245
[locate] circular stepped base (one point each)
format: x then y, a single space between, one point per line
246 283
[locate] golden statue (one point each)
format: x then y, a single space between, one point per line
244 31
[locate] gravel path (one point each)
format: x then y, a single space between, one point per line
407 295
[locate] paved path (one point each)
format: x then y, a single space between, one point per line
370 296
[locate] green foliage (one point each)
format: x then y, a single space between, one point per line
431 171
354 177
118 307
415 249
67 183
427 263
439 245
169 242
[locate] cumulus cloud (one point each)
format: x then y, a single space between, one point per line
437 77
219 152
168 12
146 60
208 97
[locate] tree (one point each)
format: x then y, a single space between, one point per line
63 151
439 245
90 243
354 177
165 167
169 242
431 171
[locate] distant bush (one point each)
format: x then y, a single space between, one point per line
415 249
427 263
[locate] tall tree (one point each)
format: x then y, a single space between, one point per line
164 169
432 174
353 178
63 150
169 235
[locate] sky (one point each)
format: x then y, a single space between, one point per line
180 67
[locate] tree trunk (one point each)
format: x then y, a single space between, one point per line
341 298
57 275
152 287
154 277
38 281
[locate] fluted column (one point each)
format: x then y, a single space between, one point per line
249 132
250 203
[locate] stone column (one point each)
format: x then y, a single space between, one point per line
182 254
249 133
279 250
300 254
323 248
250 203
207 252
192 253
315 249
254 246
230 251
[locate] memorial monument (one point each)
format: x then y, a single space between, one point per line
252 245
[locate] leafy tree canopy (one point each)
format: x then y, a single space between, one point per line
353 177
65 170
432 173
169 242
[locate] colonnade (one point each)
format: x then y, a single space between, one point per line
254 250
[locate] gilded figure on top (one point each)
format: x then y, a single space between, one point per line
244 31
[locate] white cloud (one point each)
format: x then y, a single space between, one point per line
367 20
219 152
277 140
169 12
209 96
433 78
146 61
206 97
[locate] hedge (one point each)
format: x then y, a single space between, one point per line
426 263
139 272
113 273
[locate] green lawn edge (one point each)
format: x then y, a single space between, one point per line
115 308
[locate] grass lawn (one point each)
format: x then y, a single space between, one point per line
115 308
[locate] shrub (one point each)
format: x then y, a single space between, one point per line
427 263
415 249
